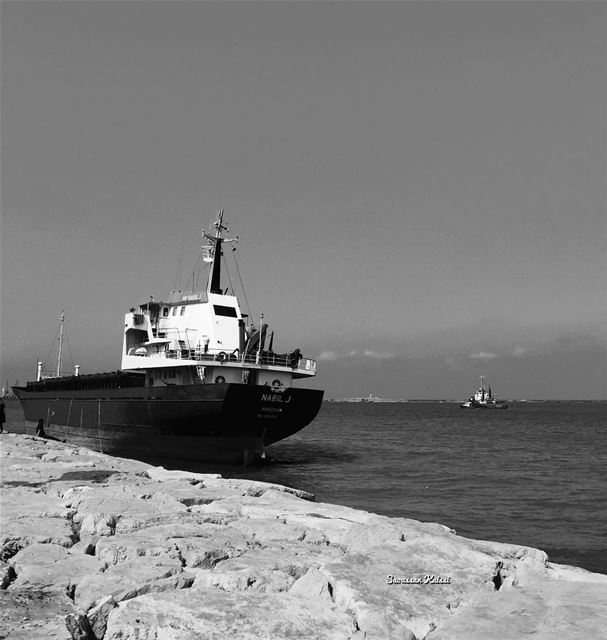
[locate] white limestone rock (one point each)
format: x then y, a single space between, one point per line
215 615
29 515
107 510
145 542
97 617
187 492
255 488
162 474
268 530
98 524
542 610
574 574
18 534
268 568
50 566
183 555
34 614
127 580
31 502
314 584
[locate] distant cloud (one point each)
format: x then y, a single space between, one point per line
327 355
519 352
375 355
483 355
378 356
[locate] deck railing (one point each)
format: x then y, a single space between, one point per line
290 360
50 375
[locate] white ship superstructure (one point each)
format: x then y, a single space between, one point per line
204 338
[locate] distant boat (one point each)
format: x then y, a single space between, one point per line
371 398
484 399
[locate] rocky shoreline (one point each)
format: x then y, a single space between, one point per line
95 547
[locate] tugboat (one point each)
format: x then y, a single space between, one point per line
484 399
196 382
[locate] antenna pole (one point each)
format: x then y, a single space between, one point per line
258 356
219 223
60 350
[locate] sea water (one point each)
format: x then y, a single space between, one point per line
534 474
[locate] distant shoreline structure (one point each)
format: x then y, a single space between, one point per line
367 399
372 398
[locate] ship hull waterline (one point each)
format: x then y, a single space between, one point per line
211 423
489 406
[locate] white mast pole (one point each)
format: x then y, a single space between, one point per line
59 353
219 223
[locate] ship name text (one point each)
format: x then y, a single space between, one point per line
275 397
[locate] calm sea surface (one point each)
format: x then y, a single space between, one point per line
535 474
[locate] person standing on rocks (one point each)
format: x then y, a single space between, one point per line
40 429
41 433
2 416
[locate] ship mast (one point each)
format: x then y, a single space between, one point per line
60 350
215 280
214 284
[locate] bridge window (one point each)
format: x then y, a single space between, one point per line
221 310
182 311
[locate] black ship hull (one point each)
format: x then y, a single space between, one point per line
202 422
486 405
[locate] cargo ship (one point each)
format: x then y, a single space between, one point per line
196 381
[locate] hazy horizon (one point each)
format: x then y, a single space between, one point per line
419 188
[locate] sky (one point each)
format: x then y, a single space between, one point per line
419 188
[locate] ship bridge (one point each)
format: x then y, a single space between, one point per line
204 336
